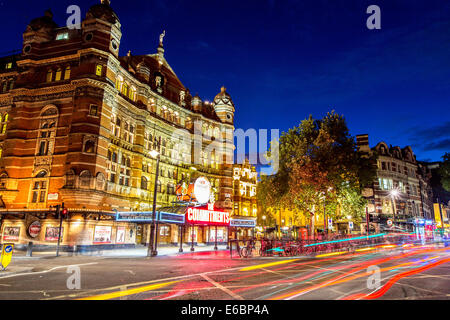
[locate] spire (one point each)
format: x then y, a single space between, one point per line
160 47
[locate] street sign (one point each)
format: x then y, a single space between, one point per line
389 223
34 229
52 196
330 224
350 224
7 251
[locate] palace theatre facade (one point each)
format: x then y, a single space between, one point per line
79 125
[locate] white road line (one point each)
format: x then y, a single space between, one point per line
221 287
46 271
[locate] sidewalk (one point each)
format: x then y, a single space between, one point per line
139 251
14 270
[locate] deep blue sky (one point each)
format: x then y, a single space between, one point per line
282 60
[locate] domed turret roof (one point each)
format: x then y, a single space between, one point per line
223 98
103 11
46 22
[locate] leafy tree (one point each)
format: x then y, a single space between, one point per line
319 165
444 172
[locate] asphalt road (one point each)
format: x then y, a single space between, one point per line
411 272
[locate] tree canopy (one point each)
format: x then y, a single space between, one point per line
319 165
444 172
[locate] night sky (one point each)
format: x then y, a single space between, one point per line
283 60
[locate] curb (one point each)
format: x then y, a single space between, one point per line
8 273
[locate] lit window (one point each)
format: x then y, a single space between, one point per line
49 75
8 65
3 123
67 73
1 151
125 89
58 74
133 94
39 188
93 109
89 147
98 70
62 36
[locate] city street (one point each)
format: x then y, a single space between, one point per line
405 272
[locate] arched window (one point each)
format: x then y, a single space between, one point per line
100 181
89 146
170 188
119 82
114 157
39 187
67 73
128 163
133 94
58 74
158 186
125 89
85 178
49 75
144 183
3 179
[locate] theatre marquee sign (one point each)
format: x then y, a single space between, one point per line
208 216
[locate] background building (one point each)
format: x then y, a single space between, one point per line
441 197
402 186
245 208
78 124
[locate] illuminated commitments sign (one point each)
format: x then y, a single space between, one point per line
207 216
202 190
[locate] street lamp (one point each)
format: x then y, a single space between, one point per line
152 247
393 193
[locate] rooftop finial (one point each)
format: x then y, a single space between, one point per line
161 38
223 89
107 2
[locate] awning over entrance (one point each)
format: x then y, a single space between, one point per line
165 215
243 223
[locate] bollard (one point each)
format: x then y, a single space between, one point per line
30 249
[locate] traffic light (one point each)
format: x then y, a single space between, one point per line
64 212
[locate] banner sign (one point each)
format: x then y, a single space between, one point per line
170 217
147 216
52 233
139 216
11 233
120 235
102 234
242 223
196 215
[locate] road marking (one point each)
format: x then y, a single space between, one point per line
45 271
122 293
331 254
221 287
270 264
